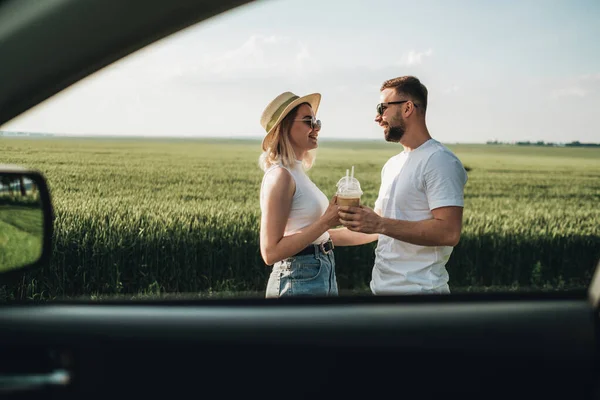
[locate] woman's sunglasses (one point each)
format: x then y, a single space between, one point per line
313 123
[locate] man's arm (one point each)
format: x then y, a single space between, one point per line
444 180
442 230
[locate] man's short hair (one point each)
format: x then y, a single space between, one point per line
410 86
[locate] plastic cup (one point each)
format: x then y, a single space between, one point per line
353 201
348 191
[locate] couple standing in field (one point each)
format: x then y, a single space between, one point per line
417 219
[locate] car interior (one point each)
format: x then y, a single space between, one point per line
486 345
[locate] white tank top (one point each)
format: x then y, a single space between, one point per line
308 203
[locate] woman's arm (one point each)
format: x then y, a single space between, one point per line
345 237
279 190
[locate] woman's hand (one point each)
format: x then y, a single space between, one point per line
331 217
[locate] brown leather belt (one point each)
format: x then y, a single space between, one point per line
324 248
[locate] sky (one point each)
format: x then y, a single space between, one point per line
495 70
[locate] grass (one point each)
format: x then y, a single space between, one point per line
21 236
183 215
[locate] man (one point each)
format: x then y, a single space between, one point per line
418 214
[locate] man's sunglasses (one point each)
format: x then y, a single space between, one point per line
313 123
381 107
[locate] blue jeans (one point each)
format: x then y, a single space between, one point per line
305 275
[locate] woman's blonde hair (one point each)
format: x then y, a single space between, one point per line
279 149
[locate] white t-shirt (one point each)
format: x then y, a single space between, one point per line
308 204
412 184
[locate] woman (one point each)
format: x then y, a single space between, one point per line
295 214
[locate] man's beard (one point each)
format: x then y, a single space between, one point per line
395 133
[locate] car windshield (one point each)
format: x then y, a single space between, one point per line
289 148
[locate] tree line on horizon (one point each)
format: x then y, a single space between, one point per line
575 143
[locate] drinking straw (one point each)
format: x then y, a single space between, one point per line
347 181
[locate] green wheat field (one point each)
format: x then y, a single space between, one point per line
182 216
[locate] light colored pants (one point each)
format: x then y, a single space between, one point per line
305 275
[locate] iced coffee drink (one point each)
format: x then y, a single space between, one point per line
348 191
348 201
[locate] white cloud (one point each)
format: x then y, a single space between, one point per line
414 58
452 89
303 54
578 86
258 57
572 91
590 77
275 39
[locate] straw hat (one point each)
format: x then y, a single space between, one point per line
277 109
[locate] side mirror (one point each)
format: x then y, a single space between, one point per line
26 220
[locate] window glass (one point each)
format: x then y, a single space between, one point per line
153 162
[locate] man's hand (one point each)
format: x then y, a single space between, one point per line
360 219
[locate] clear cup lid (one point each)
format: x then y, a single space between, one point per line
349 186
